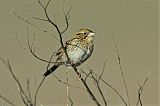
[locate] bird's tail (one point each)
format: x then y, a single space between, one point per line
52 69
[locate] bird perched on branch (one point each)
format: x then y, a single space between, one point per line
79 48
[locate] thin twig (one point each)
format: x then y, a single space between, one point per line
33 25
35 97
42 79
115 91
109 85
7 101
66 16
29 91
31 50
40 19
104 65
140 90
70 99
65 83
24 97
35 55
98 86
121 70
87 75
19 43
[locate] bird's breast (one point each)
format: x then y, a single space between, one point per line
78 55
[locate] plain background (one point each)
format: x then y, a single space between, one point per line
133 23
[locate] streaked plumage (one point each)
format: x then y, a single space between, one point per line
79 49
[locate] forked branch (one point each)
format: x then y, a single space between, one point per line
24 97
140 90
61 42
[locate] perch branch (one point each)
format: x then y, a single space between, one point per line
61 42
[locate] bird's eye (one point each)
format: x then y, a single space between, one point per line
84 33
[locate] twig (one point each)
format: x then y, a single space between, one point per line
35 97
104 65
19 43
140 90
66 15
33 53
42 80
24 97
70 99
37 27
97 84
87 75
29 91
7 101
115 91
109 85
121 70
40 19
65 83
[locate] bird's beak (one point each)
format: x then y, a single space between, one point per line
91 34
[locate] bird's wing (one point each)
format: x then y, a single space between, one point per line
71 41
68 46
59 54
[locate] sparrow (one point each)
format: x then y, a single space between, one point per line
79 48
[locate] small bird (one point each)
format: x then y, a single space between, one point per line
79 49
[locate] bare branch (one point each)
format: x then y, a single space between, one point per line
121 70
115 91
50 61
87 75
39 19
55 25
7 101
33 51
33 25
70 99
98 86
61 42
140 90
66 16
109 85
19 43
24 97
89 91
65 83
41 4
29 91
48 3
102 70
42 80
39 86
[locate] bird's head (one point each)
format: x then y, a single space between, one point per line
85 34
